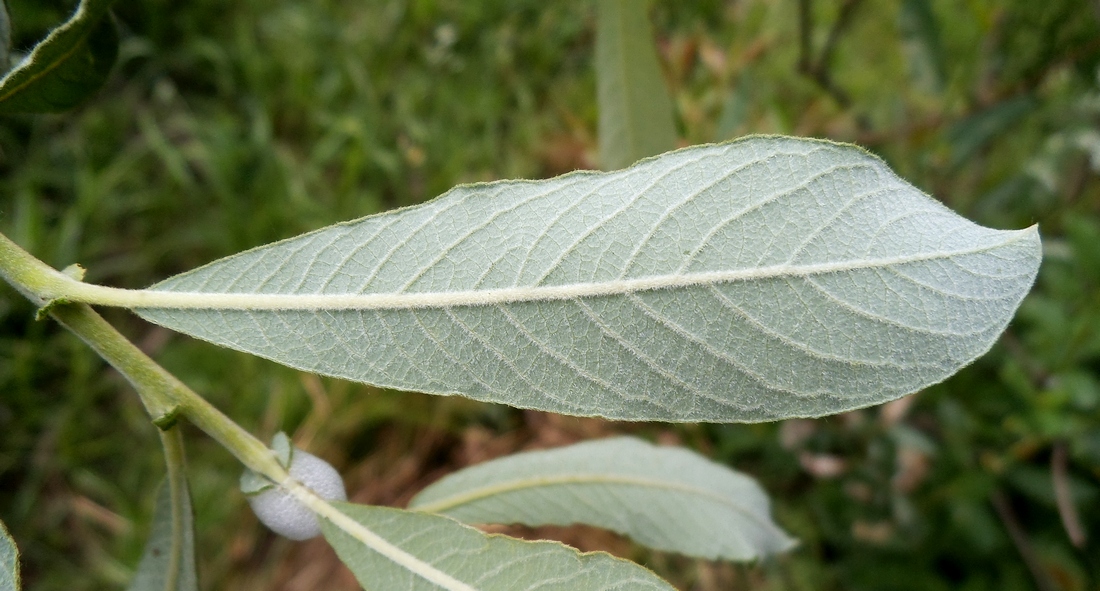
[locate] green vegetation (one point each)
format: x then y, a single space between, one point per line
225 127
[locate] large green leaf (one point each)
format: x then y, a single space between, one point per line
432 552
756 280
664 497
9 560
635 110
168 563
67 66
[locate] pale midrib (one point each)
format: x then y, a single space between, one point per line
478 494
72 290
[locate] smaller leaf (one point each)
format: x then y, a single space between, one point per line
67 66
284 450
663 497
430 552
9 559
920 39
252 483
635 109
168 563
970 135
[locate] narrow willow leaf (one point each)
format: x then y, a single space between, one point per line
920 34
440 553
9 560
67 66
168 563
969 136
663 497
635 110
766 278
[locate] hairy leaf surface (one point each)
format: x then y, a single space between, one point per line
444 554
634 106
664 497
9 561
168 563
65 67
766 278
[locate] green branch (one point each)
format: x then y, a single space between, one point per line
30 276
164 396
174 460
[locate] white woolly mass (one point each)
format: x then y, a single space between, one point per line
284 514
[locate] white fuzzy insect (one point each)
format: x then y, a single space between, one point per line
284 514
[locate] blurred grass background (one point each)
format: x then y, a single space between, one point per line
229 125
